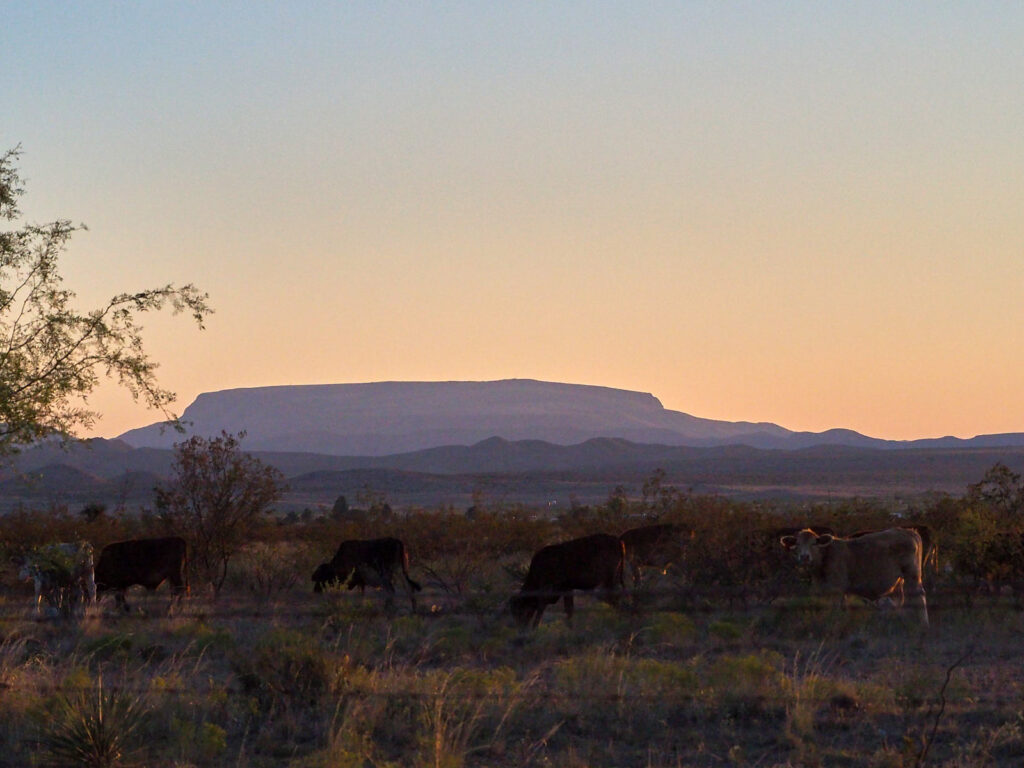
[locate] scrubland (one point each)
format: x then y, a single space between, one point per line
726 660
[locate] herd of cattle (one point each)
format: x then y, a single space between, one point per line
882 565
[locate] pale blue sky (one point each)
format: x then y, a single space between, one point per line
804 213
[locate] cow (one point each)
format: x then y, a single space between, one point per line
654 546
62 573
590 563
146 562
871 566
368 563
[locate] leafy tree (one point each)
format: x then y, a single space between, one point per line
218 494
617 503
1000 488
52 355
340 508
93 511
657 497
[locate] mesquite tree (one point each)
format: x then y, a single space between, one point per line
216 496
52 355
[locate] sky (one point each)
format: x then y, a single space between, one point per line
797 212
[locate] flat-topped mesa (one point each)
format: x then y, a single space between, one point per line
391 417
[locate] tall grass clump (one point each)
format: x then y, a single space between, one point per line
747 684
808 685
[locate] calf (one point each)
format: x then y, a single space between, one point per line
368 563
871 566
590 563
146 562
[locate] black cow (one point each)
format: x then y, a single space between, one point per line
146 562
592 562
368 563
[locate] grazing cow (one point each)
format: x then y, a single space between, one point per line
592 562
654 546
871 566
146 562
61 573
368 563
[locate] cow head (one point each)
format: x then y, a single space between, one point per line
524 608
807 545
322 576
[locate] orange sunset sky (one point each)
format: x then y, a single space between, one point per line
804 213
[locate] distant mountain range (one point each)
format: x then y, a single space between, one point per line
515 441
386 418
525 471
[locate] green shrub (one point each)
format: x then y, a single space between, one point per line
92 727
286 667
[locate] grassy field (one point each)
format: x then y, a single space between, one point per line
724 661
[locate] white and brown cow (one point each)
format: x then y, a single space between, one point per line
872 566
63 573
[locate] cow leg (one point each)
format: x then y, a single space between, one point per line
66 597
412 594
90 587
389 594
535 620
916 597
121 600
179 591
39 597
635 569
568 602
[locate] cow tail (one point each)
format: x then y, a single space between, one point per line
415 585
185 568
620 569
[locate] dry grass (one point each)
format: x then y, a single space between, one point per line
699 670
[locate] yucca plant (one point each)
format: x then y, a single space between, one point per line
93 729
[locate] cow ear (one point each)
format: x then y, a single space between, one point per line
788 541
824 540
